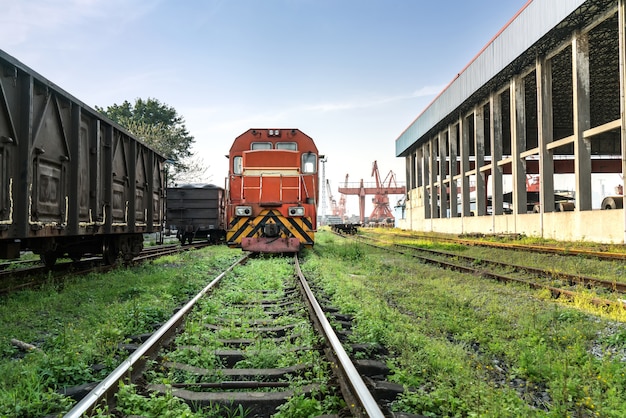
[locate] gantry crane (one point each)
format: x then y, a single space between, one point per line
334 209
381 192
342 202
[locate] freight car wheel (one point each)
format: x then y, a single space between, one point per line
48 258
75 257
110 251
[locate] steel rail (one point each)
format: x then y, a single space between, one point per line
557 275
83 266
133 365
555 291
523 247
364 403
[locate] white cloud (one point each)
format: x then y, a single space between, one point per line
428 91
374 102
23 20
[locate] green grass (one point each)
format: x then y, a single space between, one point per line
461 345
466 346
80 323
602 269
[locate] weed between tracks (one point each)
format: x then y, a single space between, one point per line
465 346
235 305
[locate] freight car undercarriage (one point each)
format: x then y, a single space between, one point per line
76 247
73 183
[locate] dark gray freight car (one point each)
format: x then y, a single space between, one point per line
197 212
72 182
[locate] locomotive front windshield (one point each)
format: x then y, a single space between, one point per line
291 146
309 163
238 165
260 145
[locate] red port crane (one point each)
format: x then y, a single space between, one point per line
336 209
381 191
342 202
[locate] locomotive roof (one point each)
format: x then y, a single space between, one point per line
196 186
244 140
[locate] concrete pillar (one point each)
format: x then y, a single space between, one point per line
427 183
443 174
452 138
421 169
545 133
495 116
408 167
432 165
479 147
582 120
414 175
518 143
621 13
465 166
423 161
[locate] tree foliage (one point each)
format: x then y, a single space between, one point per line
158 126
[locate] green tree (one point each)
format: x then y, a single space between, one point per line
157 125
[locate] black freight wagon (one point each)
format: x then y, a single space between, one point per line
72 182
196 211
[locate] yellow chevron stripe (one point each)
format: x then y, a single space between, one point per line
247 227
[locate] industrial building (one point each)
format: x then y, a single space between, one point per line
529 137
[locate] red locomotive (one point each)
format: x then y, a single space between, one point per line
272 191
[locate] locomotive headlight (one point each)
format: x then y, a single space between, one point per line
296 211
243 210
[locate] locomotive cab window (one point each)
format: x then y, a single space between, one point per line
237 165
260 145
309 163
291 146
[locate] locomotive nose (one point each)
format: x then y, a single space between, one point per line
271 230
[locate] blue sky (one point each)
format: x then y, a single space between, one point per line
352 74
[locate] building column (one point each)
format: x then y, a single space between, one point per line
479 148
545 133
452 138
408 171
495 116
621 13
465 166
518 143
443 174
421 169
582 120
432 166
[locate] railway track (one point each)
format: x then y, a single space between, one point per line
536 278
250 351
35 273
545 249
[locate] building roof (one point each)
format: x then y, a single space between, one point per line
538 27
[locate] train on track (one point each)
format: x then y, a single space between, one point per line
72 182
272 191
197 211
